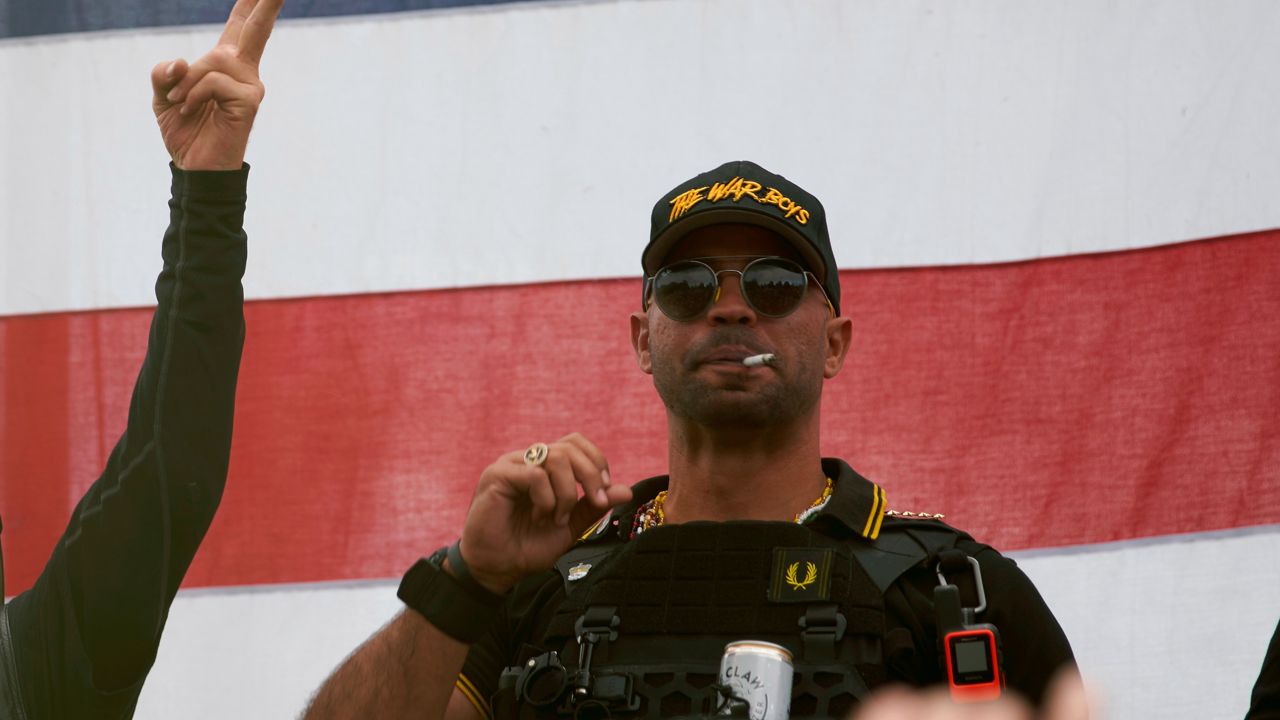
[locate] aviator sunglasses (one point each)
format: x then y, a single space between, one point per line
773 287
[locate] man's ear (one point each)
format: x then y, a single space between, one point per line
839 339
640 340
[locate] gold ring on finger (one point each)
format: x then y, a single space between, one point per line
536 454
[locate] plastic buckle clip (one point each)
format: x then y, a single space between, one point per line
595 624
822 628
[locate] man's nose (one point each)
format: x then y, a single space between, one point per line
730 307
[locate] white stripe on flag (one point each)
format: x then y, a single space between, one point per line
1171 627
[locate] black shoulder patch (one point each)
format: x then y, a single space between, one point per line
904 543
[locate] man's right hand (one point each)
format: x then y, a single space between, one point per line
525 516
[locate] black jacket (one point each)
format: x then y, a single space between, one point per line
80 642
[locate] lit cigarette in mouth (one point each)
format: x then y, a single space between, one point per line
760 360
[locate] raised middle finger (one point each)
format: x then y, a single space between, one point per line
257 28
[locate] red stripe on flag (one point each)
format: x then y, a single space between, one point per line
1063 401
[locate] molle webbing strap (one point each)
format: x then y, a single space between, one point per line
681 592
711 579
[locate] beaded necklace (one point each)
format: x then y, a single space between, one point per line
650 514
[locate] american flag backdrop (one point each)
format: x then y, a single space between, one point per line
1057 222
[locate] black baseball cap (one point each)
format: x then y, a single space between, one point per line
743 192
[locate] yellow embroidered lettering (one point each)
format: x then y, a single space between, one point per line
720 191
681 203
785 204
734 190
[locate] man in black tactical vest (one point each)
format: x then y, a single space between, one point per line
571 596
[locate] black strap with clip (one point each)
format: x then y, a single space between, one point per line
598 624
969 652
966 576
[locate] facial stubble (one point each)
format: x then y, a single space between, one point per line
792 390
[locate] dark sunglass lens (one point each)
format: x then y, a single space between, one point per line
775 287
684 290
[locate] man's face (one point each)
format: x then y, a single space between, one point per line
697 364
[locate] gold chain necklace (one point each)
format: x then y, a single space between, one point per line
651 515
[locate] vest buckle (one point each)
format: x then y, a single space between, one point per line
609 691
822 628
597 624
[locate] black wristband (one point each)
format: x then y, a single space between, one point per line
461 571
461 610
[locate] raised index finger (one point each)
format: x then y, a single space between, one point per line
235 22
257 28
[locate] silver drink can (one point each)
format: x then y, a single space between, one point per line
759 674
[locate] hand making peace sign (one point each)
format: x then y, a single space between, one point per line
205 110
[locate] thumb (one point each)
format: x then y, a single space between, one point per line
585 515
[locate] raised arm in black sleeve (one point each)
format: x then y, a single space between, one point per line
85 635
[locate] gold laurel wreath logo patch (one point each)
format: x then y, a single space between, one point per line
810 574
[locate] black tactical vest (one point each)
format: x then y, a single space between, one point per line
641 633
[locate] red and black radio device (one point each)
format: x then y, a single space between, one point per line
971 653
975 670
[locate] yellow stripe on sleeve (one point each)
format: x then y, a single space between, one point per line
877 511
469 689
